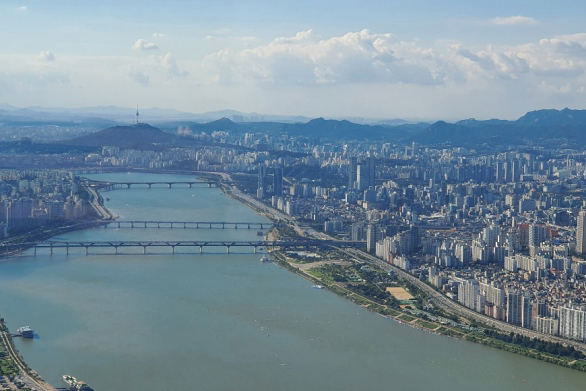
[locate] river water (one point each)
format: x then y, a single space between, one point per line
221 321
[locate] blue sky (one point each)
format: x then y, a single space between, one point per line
376 59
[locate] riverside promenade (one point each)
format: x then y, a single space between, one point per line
27 375
437 298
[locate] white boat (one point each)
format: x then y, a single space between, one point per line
25 332
264 259
318 286
69 379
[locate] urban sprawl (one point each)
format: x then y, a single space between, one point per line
503 232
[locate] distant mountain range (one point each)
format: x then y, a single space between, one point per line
125 115
540 127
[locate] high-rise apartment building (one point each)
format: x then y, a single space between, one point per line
262 179
581 233
352 172
278 181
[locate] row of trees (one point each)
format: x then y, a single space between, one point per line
554 348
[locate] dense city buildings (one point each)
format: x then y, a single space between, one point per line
499 230
33 199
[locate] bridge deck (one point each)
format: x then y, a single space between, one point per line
186 224
111 185
228 244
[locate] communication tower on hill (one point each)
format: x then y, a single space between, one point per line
137 114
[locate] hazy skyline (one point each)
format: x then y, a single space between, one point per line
375 59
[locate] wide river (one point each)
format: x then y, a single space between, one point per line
221 321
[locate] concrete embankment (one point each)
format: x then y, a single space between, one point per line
96 203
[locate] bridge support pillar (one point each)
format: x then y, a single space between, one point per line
223 225
173 247
86 250
255 249
144 249
145 224
190 185
67 250
128 185
197 225
184 225
200 249
115 249
209 185
132 225
35 252
228 249
119 224
248 226
169 185
150 184
159 225
51 249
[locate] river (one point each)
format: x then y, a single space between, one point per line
221 321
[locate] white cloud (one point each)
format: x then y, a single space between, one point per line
158 35
356 57
23 8
367 58
143 44
173 71
46 55
362 73
515 21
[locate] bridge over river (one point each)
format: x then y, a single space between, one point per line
107 186
186 224
194 246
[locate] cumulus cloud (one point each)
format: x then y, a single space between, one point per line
168 62
158 35
143 44
365 57
46 55
515 21
307 59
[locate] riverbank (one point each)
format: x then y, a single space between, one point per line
26 378
221 303
407 317
416 320
15 370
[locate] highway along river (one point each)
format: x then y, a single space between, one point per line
221 321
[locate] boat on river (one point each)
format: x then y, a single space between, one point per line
76 385
25 332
